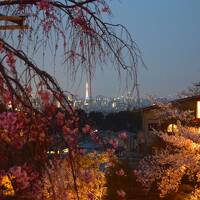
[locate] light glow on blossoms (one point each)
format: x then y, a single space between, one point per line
176 163
198 110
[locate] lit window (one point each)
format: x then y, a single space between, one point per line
172 128
198 110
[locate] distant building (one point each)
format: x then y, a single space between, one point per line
150 120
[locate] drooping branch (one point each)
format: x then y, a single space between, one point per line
87 38
43 76
31 2
87 41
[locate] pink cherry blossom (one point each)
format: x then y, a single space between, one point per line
123 136
121 194
120 172
11 61
44 5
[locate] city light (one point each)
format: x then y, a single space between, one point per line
66 150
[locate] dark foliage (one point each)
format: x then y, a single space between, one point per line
124 120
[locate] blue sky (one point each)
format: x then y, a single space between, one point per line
168 34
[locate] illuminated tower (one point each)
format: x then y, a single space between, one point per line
87 93
88 90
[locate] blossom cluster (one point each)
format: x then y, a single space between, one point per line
176 163
20 180
17 128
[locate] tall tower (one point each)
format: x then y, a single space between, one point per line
86 91
87 94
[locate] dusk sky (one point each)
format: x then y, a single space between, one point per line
168 34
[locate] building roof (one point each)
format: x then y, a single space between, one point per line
174 102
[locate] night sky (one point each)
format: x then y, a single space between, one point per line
168 34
